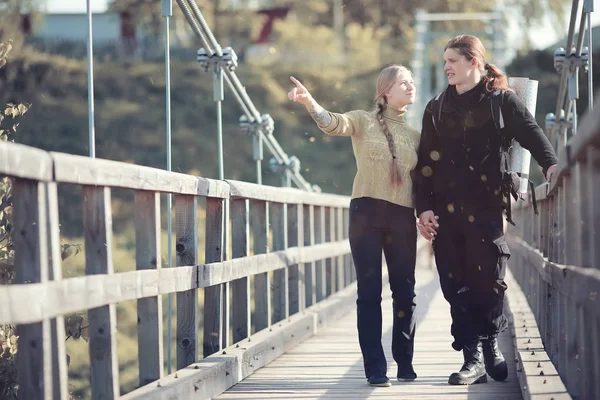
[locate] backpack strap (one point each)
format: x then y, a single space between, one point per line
436 108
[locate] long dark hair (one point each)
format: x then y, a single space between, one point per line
471 47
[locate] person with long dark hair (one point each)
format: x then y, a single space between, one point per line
462 191
381 214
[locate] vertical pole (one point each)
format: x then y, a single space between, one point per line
589 7
90 55
218 96
167 12
257 149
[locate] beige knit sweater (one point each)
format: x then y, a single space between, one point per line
373 156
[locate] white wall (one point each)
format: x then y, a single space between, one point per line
74 27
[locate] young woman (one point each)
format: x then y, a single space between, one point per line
460 193
381 214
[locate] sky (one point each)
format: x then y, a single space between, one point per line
545 34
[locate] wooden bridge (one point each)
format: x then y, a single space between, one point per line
303 293
278 318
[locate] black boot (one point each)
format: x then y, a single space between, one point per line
473 370
495 365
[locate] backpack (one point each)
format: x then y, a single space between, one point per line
510 179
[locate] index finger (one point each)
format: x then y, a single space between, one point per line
297 82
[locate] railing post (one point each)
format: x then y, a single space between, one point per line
296 272
280 276
262 282
57 326
33 360
148 256
320 278
240 288
97 219
309 268
215 300
330 276
186 231
342 278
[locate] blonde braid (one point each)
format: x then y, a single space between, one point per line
396 178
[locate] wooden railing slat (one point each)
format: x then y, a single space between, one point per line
149 309
259 225
280 276
102 320
186 228
57 325
215 296
240 288
33 360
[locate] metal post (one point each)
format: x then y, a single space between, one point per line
90 55
257 149
589 7
218 96
167 12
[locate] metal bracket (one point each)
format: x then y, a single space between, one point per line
227 60
293 166
571 62
267 125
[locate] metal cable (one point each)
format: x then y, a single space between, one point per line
204 25
190 18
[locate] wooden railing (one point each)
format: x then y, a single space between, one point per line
556 260
309 259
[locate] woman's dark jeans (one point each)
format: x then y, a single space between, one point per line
377 225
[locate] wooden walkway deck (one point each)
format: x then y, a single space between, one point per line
329 365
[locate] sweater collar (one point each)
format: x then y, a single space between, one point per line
394 115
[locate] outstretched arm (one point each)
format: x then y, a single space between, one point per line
300 94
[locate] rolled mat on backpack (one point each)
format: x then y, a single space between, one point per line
520 158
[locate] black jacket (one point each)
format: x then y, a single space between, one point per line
460 161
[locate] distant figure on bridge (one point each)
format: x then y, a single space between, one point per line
382 214
463 182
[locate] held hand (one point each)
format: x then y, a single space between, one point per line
428 224
550 172
299 94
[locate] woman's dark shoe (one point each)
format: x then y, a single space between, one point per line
495 365
379 381
473 369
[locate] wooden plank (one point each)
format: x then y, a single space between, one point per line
214 296
320 276
262 282
296 270
57 326
309 268
593 160
254 191
82 170
23 304
280 276
577 283
588 135
532 360
574 219
339 222
33 360
211 376
330 273
149 309
97 223
186 228
329 365
240 288
20 161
